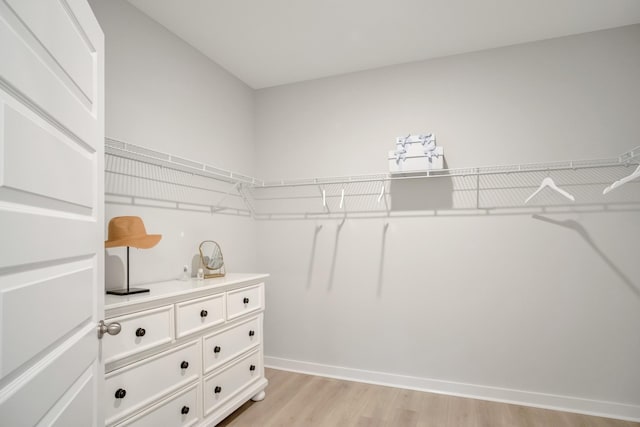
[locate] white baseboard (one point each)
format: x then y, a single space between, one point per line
519 397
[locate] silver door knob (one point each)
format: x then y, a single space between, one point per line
111 328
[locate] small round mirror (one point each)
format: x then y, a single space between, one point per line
211 258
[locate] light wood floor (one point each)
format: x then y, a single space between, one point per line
295 400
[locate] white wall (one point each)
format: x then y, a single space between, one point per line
481 304
163 94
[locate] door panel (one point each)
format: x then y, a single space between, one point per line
36 290
31 74
49 22
51 213
71 409
30 400
36 156
37 235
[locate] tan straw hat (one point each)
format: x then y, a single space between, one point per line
130 231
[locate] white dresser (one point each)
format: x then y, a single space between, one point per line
189 352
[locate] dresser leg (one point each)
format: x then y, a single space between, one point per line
258 397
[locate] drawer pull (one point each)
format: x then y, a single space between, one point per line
217 390
184 364
252 368
185 410
121 393
216 349
252 333
245 300
140 332
203 313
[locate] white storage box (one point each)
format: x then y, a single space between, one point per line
416 161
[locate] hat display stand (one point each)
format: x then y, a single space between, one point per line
129 231
129 290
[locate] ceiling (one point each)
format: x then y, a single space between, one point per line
273 42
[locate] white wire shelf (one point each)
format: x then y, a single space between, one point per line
629 157
135 152
129 151
137 175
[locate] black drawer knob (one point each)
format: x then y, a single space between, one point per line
140 332
121 393
216 349
185 410
252 368
252 333
245 300
203 313
184 364
217 390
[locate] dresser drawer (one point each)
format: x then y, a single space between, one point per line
223 385
179 410
244 300
195 315
140 331
134 386
222 346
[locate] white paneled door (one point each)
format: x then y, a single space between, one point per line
51 213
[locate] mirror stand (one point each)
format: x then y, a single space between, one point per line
219 273
211 259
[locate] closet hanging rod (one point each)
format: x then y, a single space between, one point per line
164 203
125 150
166 181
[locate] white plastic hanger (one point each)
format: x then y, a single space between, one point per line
548 182
381 194
622 181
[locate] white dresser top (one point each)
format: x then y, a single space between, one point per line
176 290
